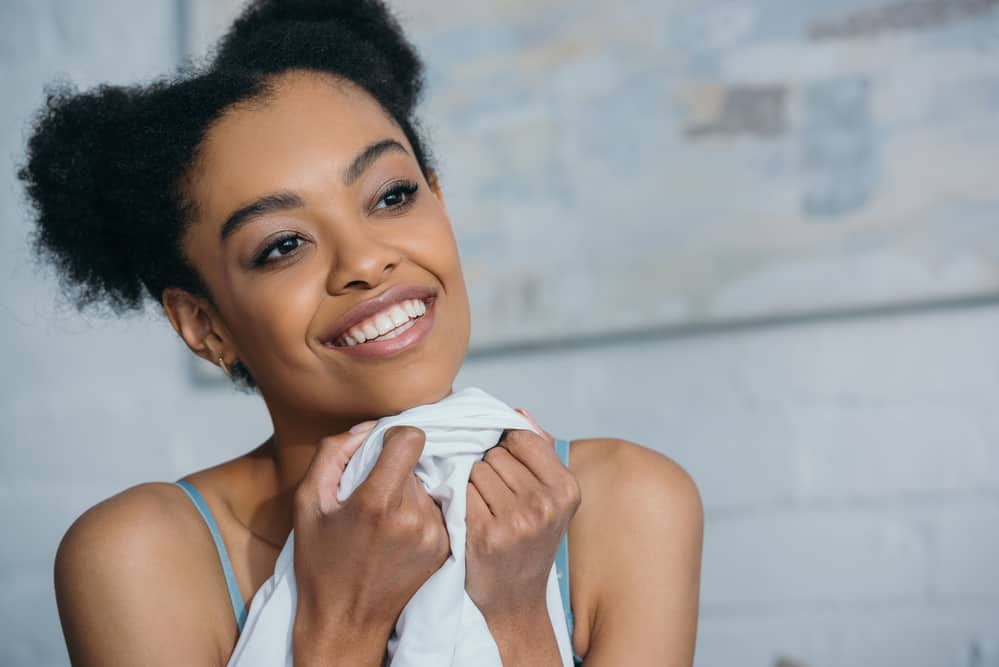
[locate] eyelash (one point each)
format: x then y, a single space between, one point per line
261 258
406 188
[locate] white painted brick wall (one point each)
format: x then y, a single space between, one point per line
965 556
850 470
796 557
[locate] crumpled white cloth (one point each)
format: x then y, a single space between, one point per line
440 625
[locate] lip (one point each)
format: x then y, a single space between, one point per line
408 339
366 309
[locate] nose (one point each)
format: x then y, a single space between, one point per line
360 259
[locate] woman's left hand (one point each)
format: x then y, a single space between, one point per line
520 501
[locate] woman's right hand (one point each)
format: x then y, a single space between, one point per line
358 562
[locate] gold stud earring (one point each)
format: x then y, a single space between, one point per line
225 369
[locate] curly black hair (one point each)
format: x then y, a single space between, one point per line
105 169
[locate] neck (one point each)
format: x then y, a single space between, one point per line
294 442
290 450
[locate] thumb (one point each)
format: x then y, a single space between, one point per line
322 478
540 431
393 471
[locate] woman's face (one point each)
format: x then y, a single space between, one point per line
348 214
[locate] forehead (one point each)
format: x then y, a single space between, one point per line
305 131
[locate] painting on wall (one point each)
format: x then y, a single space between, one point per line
677 164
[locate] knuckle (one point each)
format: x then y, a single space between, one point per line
546 508
404 433
408 522
494 452
575 494
373 506
432 538
568 489
303 500
490 542
328 441
522 525
515 437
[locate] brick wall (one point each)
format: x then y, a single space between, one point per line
849 469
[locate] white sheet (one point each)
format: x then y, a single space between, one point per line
440 625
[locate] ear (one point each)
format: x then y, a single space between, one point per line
196 322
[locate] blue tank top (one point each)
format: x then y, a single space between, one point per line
239 608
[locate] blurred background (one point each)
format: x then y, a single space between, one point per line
760 237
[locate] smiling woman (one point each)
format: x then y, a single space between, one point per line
307 204
280 206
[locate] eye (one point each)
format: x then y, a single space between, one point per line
397 196
281 246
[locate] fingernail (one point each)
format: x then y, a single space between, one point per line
363 427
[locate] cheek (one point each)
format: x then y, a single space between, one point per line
433 244
445 251
273 315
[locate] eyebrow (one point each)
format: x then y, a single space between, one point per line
369 155
284 201
279 201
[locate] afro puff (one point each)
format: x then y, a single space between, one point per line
105 169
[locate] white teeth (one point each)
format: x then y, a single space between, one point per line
384 323
397 332
398 316
387 321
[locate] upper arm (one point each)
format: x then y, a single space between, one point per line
652 522
124 580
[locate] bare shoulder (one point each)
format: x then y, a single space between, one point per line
635 554
634 478
131 575
120 534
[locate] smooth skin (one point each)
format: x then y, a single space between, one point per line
137 577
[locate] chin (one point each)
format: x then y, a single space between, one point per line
394 402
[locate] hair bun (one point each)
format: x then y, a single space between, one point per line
107 170
77 169
362 36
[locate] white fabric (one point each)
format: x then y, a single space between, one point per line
440 625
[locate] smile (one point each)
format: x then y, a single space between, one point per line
396 328
387 324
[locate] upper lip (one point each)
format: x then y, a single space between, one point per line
376 304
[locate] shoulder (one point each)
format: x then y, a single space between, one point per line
634 480
130 573
635 553
145 520
112 534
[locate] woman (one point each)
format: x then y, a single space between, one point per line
279 204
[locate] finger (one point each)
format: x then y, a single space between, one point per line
434 507
536 455
426 502
322 477
543 433
494 491
411 491
401 449
513 473
476 509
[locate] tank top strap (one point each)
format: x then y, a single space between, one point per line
562 557
230 577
